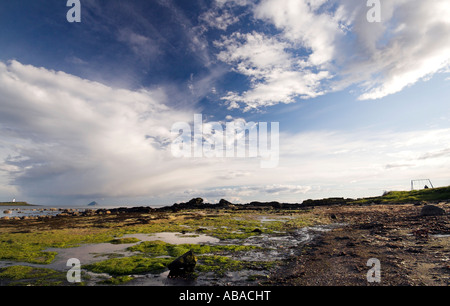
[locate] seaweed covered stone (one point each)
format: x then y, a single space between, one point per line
183 265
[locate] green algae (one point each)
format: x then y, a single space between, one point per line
129 265
160 248
25 276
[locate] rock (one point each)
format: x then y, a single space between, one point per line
342 238
196 201
257 230
224 202
431 210
183 265
7 212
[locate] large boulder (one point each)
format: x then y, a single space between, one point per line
224 202
196 201
431 210
183 265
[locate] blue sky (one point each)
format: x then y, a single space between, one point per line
86 108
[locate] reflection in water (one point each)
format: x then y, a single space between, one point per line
274 247
175 238
90 253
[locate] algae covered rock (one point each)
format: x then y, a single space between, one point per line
183 265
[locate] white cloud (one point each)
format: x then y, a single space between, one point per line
69 136
324 46
144 47
302 25
215 19
337 156
64 137
275 74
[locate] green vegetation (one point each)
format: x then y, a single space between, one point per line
29 247
118 280
129 265
160 248
24 275
15 204
158 254
403 197
241 225
221 264
30 244
124 240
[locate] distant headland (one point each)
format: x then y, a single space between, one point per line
15 204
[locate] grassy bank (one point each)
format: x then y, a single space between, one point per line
404 197
15 204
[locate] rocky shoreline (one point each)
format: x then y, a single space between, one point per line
411 241
199 204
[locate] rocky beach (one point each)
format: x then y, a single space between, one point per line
322 243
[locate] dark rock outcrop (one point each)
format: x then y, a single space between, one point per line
431 210
183 265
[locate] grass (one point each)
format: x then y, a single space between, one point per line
15 204
403 197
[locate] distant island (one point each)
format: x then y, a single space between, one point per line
93 204
15 204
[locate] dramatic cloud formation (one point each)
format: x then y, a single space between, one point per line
76 137
72 138
91 118
323 46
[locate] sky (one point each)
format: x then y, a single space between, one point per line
359 90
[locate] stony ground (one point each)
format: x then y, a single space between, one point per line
410 248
